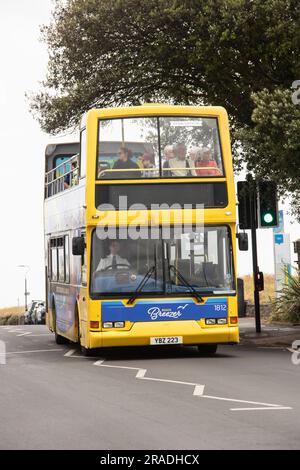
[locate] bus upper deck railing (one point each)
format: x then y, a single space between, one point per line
146 172
62 177
66 175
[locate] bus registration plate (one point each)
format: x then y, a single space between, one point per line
160 340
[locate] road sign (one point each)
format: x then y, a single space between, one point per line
278 238
282 260
280 228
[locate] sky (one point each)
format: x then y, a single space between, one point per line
23 66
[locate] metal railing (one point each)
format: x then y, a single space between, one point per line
62 177
107 172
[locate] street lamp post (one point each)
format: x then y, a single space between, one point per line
26 293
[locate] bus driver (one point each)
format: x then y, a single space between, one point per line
113 260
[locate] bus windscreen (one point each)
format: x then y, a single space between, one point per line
159 147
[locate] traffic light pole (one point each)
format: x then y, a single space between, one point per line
255 264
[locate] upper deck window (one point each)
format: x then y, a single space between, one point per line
159 147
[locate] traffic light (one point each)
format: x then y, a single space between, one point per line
268 207
247 207
259 281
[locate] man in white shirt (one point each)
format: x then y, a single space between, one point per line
113 260
179 165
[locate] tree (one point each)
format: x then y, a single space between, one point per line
271 146
115 52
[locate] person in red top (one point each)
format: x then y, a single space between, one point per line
206 166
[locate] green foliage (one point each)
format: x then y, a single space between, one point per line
287 306
271 147
241 54
113 52
12 320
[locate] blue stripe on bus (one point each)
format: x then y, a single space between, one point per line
164 310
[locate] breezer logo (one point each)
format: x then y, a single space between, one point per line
168 459
156 312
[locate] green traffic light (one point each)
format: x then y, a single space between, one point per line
268 218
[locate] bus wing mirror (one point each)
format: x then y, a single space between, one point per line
243 241
78 246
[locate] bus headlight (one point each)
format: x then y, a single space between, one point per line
116 324
222 321
210 321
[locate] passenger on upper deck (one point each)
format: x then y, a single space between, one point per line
125 163
206 166
168 155
169 152
147 160
179 166
72 177
75 173
194 155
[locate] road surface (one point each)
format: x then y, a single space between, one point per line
51 397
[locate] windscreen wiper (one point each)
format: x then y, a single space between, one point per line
141 285
186 283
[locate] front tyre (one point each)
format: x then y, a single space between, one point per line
207 349
86 352
60 339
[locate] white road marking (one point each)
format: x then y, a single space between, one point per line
70 353
141 373
239 401
25 334
33 351
198 389
43 334
15 329
263 408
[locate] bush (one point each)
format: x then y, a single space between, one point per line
12 320
4 320
15 320
287 306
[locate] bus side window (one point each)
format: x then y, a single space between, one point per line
67 258
49 268
59 259
54 266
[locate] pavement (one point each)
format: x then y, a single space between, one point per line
274 334
51 397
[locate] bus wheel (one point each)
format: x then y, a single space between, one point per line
207 349
60 339
86 352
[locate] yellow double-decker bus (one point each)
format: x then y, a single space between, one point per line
140 230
